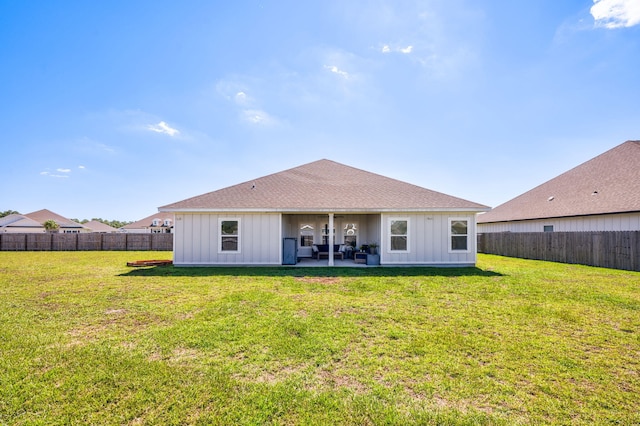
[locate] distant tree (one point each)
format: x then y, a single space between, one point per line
50 225
118 223
8 212
113 223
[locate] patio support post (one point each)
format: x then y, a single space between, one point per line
330 239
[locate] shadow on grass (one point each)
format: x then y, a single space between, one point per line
165 271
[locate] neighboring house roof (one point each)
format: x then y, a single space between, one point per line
97 226
608 183
321 186
43 215
19 221
147 222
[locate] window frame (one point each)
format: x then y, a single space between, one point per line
302 237
451 234
221 235
347 226
390 235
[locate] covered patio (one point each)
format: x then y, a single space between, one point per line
341 229
310 262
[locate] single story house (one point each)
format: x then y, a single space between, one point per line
602 194
17 223
65 226
158 223
324 203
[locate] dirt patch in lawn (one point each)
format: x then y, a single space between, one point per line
318 280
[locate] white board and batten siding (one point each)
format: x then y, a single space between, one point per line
429 240
197 239
595 223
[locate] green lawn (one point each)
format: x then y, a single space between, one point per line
86 340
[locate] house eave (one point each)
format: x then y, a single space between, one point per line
327 210
530 219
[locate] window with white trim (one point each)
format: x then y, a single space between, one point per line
350 234
229 235
307 232
398 235
458 235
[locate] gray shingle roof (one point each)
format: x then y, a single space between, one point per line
324 185
608 183
18 221
97 226
147 222
43 215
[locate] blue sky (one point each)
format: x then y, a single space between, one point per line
111 109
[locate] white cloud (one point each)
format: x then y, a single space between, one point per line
241 98
389 49
616 13
163 127
257 116
63 170
249 109
49 174
81 167
337 70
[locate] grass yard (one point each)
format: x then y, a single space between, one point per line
86 340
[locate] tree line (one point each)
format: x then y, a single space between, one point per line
112 223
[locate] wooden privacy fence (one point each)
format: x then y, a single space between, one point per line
618 250
88 241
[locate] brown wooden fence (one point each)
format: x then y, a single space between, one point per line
88 241
618 250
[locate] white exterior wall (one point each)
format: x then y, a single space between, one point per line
429 240
197 236
611 222
17 230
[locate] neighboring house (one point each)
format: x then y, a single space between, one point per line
97 226
318 203
17 223
65 226
158 223
602 194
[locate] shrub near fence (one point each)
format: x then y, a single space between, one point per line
86 242
618 250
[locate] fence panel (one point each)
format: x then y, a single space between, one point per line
64 242
13 242
162 242
618 250
39 242
85 242
91 241
114 242
139 241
